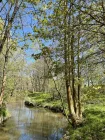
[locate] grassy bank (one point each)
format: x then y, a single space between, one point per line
44 100
93 127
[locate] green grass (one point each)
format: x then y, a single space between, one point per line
43 99
93 127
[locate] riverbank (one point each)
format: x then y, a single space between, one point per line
44 100
93 127
4 114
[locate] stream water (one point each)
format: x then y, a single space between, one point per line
32 124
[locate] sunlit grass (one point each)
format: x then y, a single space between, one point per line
44 100
93 127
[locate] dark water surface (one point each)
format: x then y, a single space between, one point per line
32 124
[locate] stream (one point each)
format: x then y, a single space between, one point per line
32 124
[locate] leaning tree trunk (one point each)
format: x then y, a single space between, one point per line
10 23
4 75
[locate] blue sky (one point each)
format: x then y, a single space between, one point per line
25 20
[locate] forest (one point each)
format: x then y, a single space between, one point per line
52 56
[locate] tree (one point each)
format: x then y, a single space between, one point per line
9 19
68 49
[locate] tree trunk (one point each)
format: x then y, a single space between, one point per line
4 75
79 75
72 73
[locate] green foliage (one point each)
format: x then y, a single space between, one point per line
35 2
45 52
43 99
94 93
3 111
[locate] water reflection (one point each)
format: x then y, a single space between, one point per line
33 124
